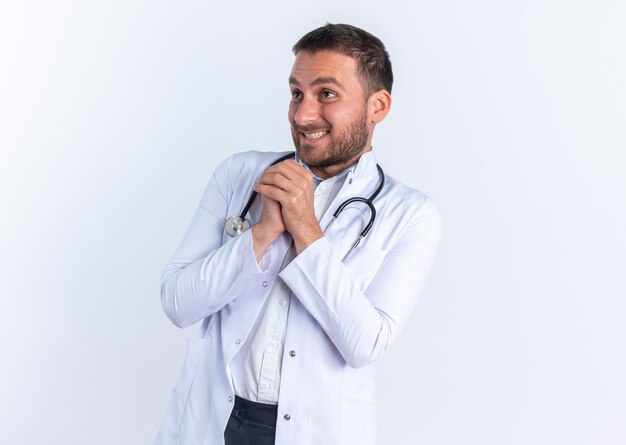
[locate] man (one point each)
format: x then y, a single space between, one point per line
292 326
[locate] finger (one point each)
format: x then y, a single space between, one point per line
293 172
296 168
291 168
272 192
278 179
268 200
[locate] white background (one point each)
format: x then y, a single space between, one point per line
510 115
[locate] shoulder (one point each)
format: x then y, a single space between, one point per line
240 165
411 205
397 201
254 159
240 170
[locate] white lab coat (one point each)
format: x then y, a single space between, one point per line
343 316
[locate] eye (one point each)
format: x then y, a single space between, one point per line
327 94
296 95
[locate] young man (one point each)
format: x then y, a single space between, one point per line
294 317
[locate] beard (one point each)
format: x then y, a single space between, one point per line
342 148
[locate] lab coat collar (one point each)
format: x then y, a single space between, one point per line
366 166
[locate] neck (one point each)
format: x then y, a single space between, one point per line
334 170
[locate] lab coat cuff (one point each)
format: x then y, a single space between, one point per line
266 260
308 256
252 265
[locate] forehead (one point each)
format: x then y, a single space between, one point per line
310 66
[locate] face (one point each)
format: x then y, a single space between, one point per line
328 112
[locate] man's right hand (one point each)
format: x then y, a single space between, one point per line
269 228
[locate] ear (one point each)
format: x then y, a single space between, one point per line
379 105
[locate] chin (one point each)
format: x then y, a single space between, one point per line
305 153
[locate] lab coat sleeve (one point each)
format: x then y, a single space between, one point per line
204 275
363 325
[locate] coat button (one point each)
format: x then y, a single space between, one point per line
292 353
237 341
265 284
286 417
230 398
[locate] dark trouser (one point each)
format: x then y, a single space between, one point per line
251 423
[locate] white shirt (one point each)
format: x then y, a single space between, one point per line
343 315
256 368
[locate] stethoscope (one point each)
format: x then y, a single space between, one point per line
236 225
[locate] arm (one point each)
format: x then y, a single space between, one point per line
363 324
203 275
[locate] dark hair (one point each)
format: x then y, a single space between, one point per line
371 57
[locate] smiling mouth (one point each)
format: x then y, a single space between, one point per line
316 135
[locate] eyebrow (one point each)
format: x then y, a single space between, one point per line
319 81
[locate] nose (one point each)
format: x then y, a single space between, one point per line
306 112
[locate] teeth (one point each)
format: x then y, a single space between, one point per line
317 135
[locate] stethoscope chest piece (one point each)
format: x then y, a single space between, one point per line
235 225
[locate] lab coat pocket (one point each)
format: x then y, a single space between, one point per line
363 263
180 394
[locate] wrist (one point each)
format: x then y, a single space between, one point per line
262 237
305 238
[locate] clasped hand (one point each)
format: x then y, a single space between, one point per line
287 190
